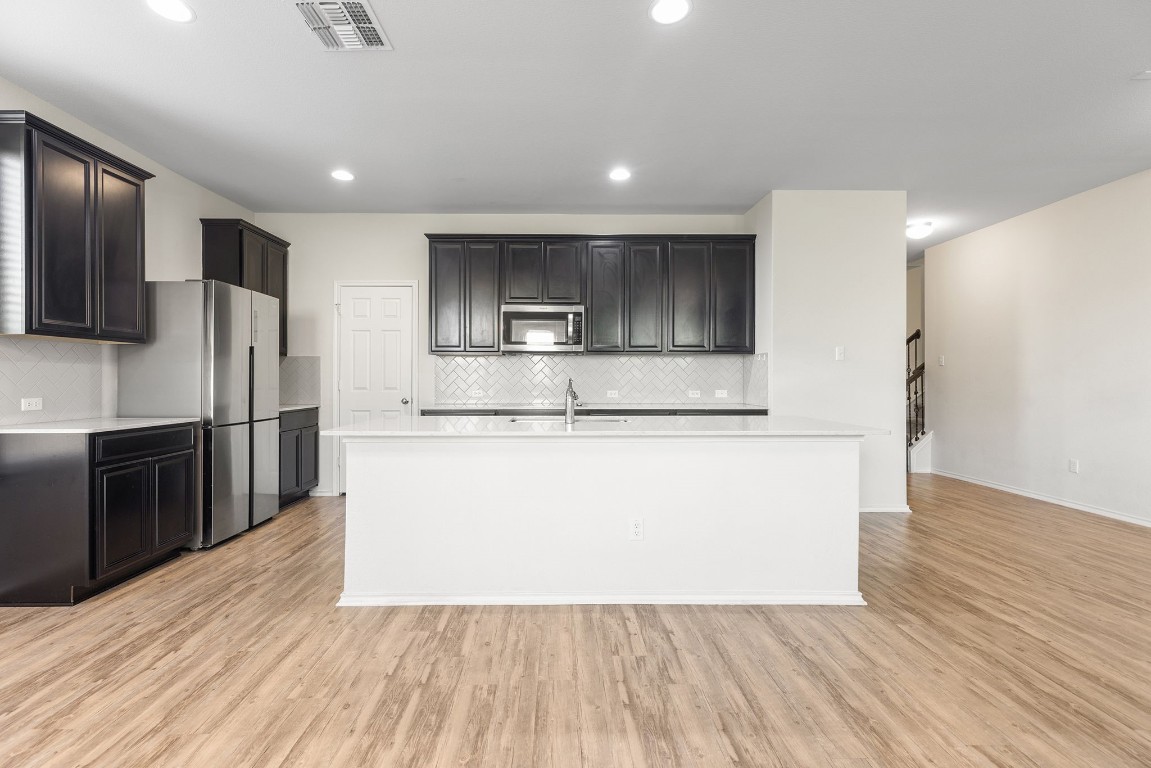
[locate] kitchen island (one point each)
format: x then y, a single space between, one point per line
642 509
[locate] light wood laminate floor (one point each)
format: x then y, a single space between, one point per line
1000 631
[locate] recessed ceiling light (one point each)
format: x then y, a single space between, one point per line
173 10
670 11
920 229
619 174
342 175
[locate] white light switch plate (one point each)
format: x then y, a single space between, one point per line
840 353
32 404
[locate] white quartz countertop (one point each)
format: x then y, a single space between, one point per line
297 407
628 426
89 426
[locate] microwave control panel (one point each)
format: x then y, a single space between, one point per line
577 328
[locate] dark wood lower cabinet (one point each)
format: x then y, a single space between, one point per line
299 454
82 512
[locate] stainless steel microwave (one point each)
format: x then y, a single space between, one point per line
541 328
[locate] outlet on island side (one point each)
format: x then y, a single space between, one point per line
1073 466
635 529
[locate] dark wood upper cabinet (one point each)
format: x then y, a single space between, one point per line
605 297
446 263
523 271
643 317
239 253
689 297
120 255
643 293
482 296
732 298
563 273
79 214
276 284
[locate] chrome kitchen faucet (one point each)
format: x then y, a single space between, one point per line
570 398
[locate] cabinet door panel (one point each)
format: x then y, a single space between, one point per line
732 285
644 315
62 256
605 297
447 296
289 462
483 297
120 255
252 257
689 297
276 284
122 516
309 457
174 500
523 272
563 273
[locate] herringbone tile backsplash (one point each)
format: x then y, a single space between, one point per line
69 378
542 379
299 380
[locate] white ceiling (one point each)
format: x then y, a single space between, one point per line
981 109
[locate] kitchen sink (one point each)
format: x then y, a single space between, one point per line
560 419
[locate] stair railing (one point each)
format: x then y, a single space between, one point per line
915 390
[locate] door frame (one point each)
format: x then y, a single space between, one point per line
337 478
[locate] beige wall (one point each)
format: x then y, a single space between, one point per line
173 204
837 278
914 298
1042 322
330 247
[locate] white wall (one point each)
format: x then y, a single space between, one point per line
330 247
1043 321
173 205
837 278
914 297
74 380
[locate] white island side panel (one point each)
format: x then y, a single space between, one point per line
506 520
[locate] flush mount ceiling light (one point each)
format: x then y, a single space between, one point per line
920 229
619 174
173 10
342 175
669 11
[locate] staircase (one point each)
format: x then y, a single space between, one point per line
915 391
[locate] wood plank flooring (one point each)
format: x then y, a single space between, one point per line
1001 631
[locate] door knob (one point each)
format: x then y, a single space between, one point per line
405 401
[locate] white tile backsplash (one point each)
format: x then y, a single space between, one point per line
755 380
542 379
69 376
299 380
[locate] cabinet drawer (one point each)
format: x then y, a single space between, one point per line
122 445
308 417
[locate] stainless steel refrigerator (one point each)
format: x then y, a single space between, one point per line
213 353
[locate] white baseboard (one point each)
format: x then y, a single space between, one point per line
903 510
1123 516
322 492
352 600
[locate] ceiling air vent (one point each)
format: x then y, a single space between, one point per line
345 26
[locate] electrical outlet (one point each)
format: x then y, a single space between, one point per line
476 393
693 393
32 404
613 393
635 529
941 359
721 393
761 358
840 353
1073 466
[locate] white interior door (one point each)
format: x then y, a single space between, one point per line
376 371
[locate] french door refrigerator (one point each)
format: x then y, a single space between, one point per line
213 353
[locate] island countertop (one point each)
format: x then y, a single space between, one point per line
603 426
